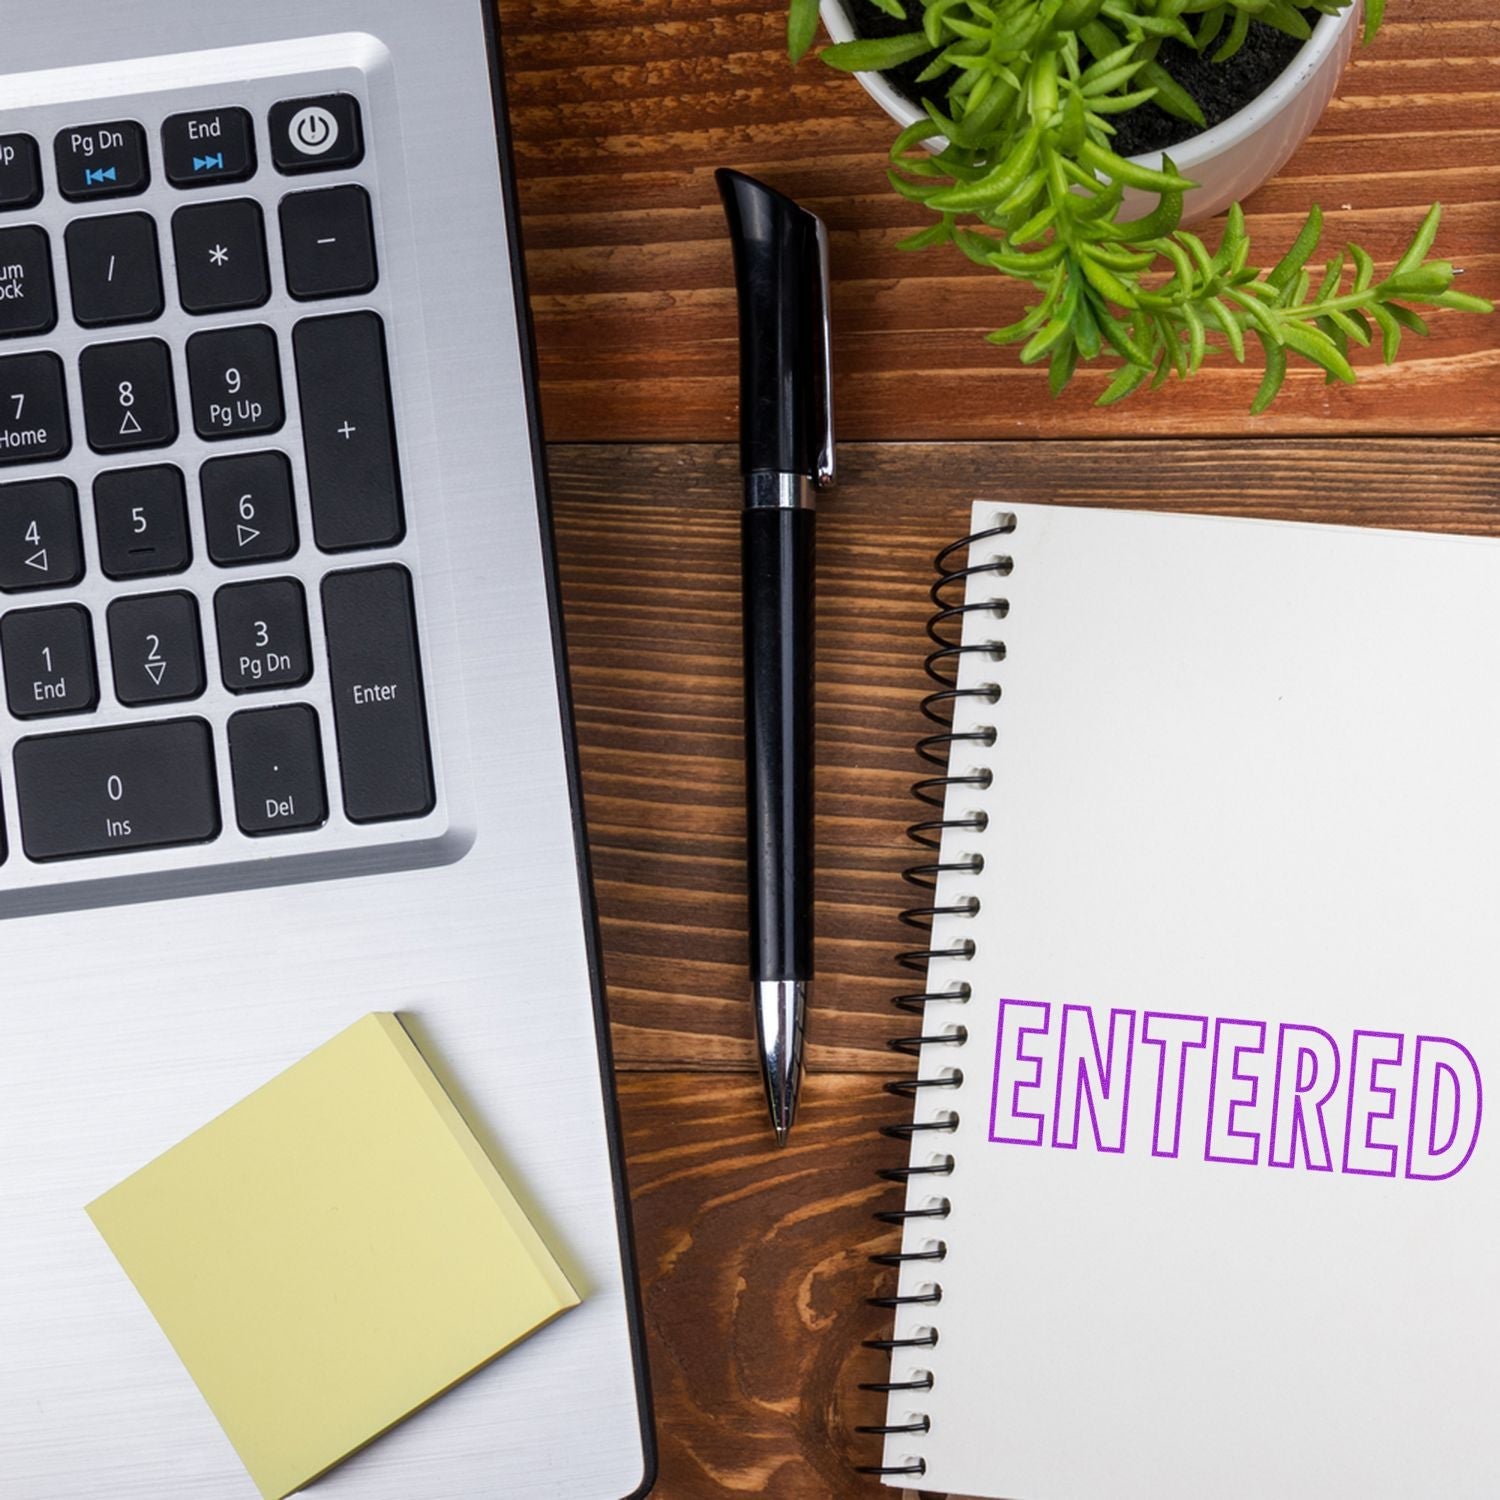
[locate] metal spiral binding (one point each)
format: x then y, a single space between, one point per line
944 629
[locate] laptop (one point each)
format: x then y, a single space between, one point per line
284 729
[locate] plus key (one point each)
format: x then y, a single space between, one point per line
354 479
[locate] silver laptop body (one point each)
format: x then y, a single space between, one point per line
184 911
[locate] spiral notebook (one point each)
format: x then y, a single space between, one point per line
1204 1197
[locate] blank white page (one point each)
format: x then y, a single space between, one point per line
1246 775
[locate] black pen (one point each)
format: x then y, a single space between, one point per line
786 454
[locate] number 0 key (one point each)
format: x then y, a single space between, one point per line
110 791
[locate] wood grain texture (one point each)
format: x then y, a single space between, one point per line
753 1261
623 108
648 542
754 1271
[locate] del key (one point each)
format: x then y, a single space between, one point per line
377 695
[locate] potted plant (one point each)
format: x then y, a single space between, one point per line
1014 116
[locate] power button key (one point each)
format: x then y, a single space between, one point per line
318 134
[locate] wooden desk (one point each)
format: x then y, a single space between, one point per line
753 1259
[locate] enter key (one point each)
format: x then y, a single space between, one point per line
379 711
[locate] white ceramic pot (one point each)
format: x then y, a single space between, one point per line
1233 158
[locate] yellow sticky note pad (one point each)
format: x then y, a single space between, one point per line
331 1253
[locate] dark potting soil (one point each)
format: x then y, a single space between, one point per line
1221 89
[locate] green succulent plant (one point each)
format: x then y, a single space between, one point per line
1022 179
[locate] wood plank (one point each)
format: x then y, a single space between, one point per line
623 108
754 1270
648 542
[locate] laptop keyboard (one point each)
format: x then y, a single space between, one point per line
212 506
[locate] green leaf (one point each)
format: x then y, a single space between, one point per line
1108 62
1199 252
1197 337
932 19
1333 275
1171 96
1064 362
978 247
1234 239
1463 302
1106 283
1275 376
1027 264
1364 268
1426 281
1086 333
1118 336
1034 227
1353 327
939 234
1232 44
1101 202
1285 17
1314 344
1408 319
1132 174
1073 130
1421 243
1374 15
1043 343
913 136
801 27
1285 272
893 8
1390 331
1124 384
1160 222
1208 32
875 54
1230 324
996 184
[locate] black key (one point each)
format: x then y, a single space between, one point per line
235 375
102 161
141 516
156 648
263 635
354 481
129 399
208 145
378 707
328 239
108 791
221 256
20 172
317 134
248 511
27 303
49 661
40 543
276 755
114 268
33 409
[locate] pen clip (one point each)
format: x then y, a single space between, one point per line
827 466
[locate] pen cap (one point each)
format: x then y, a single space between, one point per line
781 269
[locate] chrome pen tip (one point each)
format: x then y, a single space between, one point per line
780 1009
